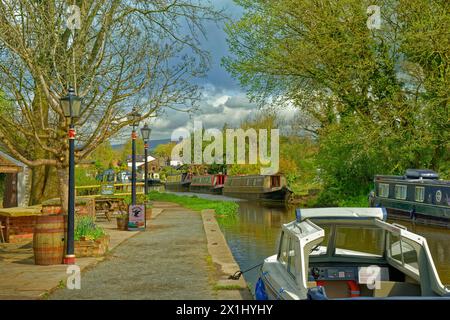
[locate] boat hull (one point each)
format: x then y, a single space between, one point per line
421 213
179 187
282 194
205 189
154 182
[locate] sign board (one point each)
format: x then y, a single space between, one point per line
136 217
107 189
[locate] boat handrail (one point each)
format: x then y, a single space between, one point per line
341 213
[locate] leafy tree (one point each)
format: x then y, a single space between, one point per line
164 150
104 156
378 99
124 54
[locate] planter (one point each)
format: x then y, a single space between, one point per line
92 248
50 209
122 223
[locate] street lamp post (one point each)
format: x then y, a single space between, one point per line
145 132
71 105
134 118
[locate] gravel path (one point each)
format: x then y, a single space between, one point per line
167 261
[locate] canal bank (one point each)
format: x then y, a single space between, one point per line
181 255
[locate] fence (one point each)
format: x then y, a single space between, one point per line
118 189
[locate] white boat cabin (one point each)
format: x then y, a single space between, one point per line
349 253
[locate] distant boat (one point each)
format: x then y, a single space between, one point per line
178 181
257 187
211 183
419 194
348 253
154 179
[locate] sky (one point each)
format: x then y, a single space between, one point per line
223 100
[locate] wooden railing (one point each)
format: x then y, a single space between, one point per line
119 189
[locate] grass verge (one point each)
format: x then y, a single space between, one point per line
222 208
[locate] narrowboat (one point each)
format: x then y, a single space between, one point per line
349 254
178 182
257 187
153 179
418 195
211 183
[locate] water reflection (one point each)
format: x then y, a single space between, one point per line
254 234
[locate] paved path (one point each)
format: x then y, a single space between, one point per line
22 279
169 260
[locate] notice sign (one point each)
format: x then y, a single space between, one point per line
136 217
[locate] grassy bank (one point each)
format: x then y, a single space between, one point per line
222 208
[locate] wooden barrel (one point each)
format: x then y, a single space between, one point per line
48 240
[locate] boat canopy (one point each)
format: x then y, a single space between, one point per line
341 213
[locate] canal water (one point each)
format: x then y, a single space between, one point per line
253 235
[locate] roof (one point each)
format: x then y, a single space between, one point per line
10 159
10 165
141 158
341 213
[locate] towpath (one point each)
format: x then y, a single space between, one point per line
170 260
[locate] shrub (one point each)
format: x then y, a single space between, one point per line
85 227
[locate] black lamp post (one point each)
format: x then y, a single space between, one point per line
71 105
134 117
145 132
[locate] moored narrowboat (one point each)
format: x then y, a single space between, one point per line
418 195
211 183
257 187
178 182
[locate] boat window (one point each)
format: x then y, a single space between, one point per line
400 191
359 241
275 181
395 248
283 253
420 194
403 252
383 190
291 259
249 182
321 249
410 255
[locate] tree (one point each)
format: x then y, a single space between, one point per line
164 151
104 155
375 96
121 54
127 149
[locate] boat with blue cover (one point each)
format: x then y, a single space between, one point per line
349 253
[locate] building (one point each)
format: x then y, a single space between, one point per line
154 164
17 181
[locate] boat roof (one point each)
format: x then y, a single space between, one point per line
341 213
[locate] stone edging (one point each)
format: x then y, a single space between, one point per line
220 252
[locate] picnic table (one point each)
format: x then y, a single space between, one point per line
18 223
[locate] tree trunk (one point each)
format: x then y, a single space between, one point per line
63 178
44 184
42 179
